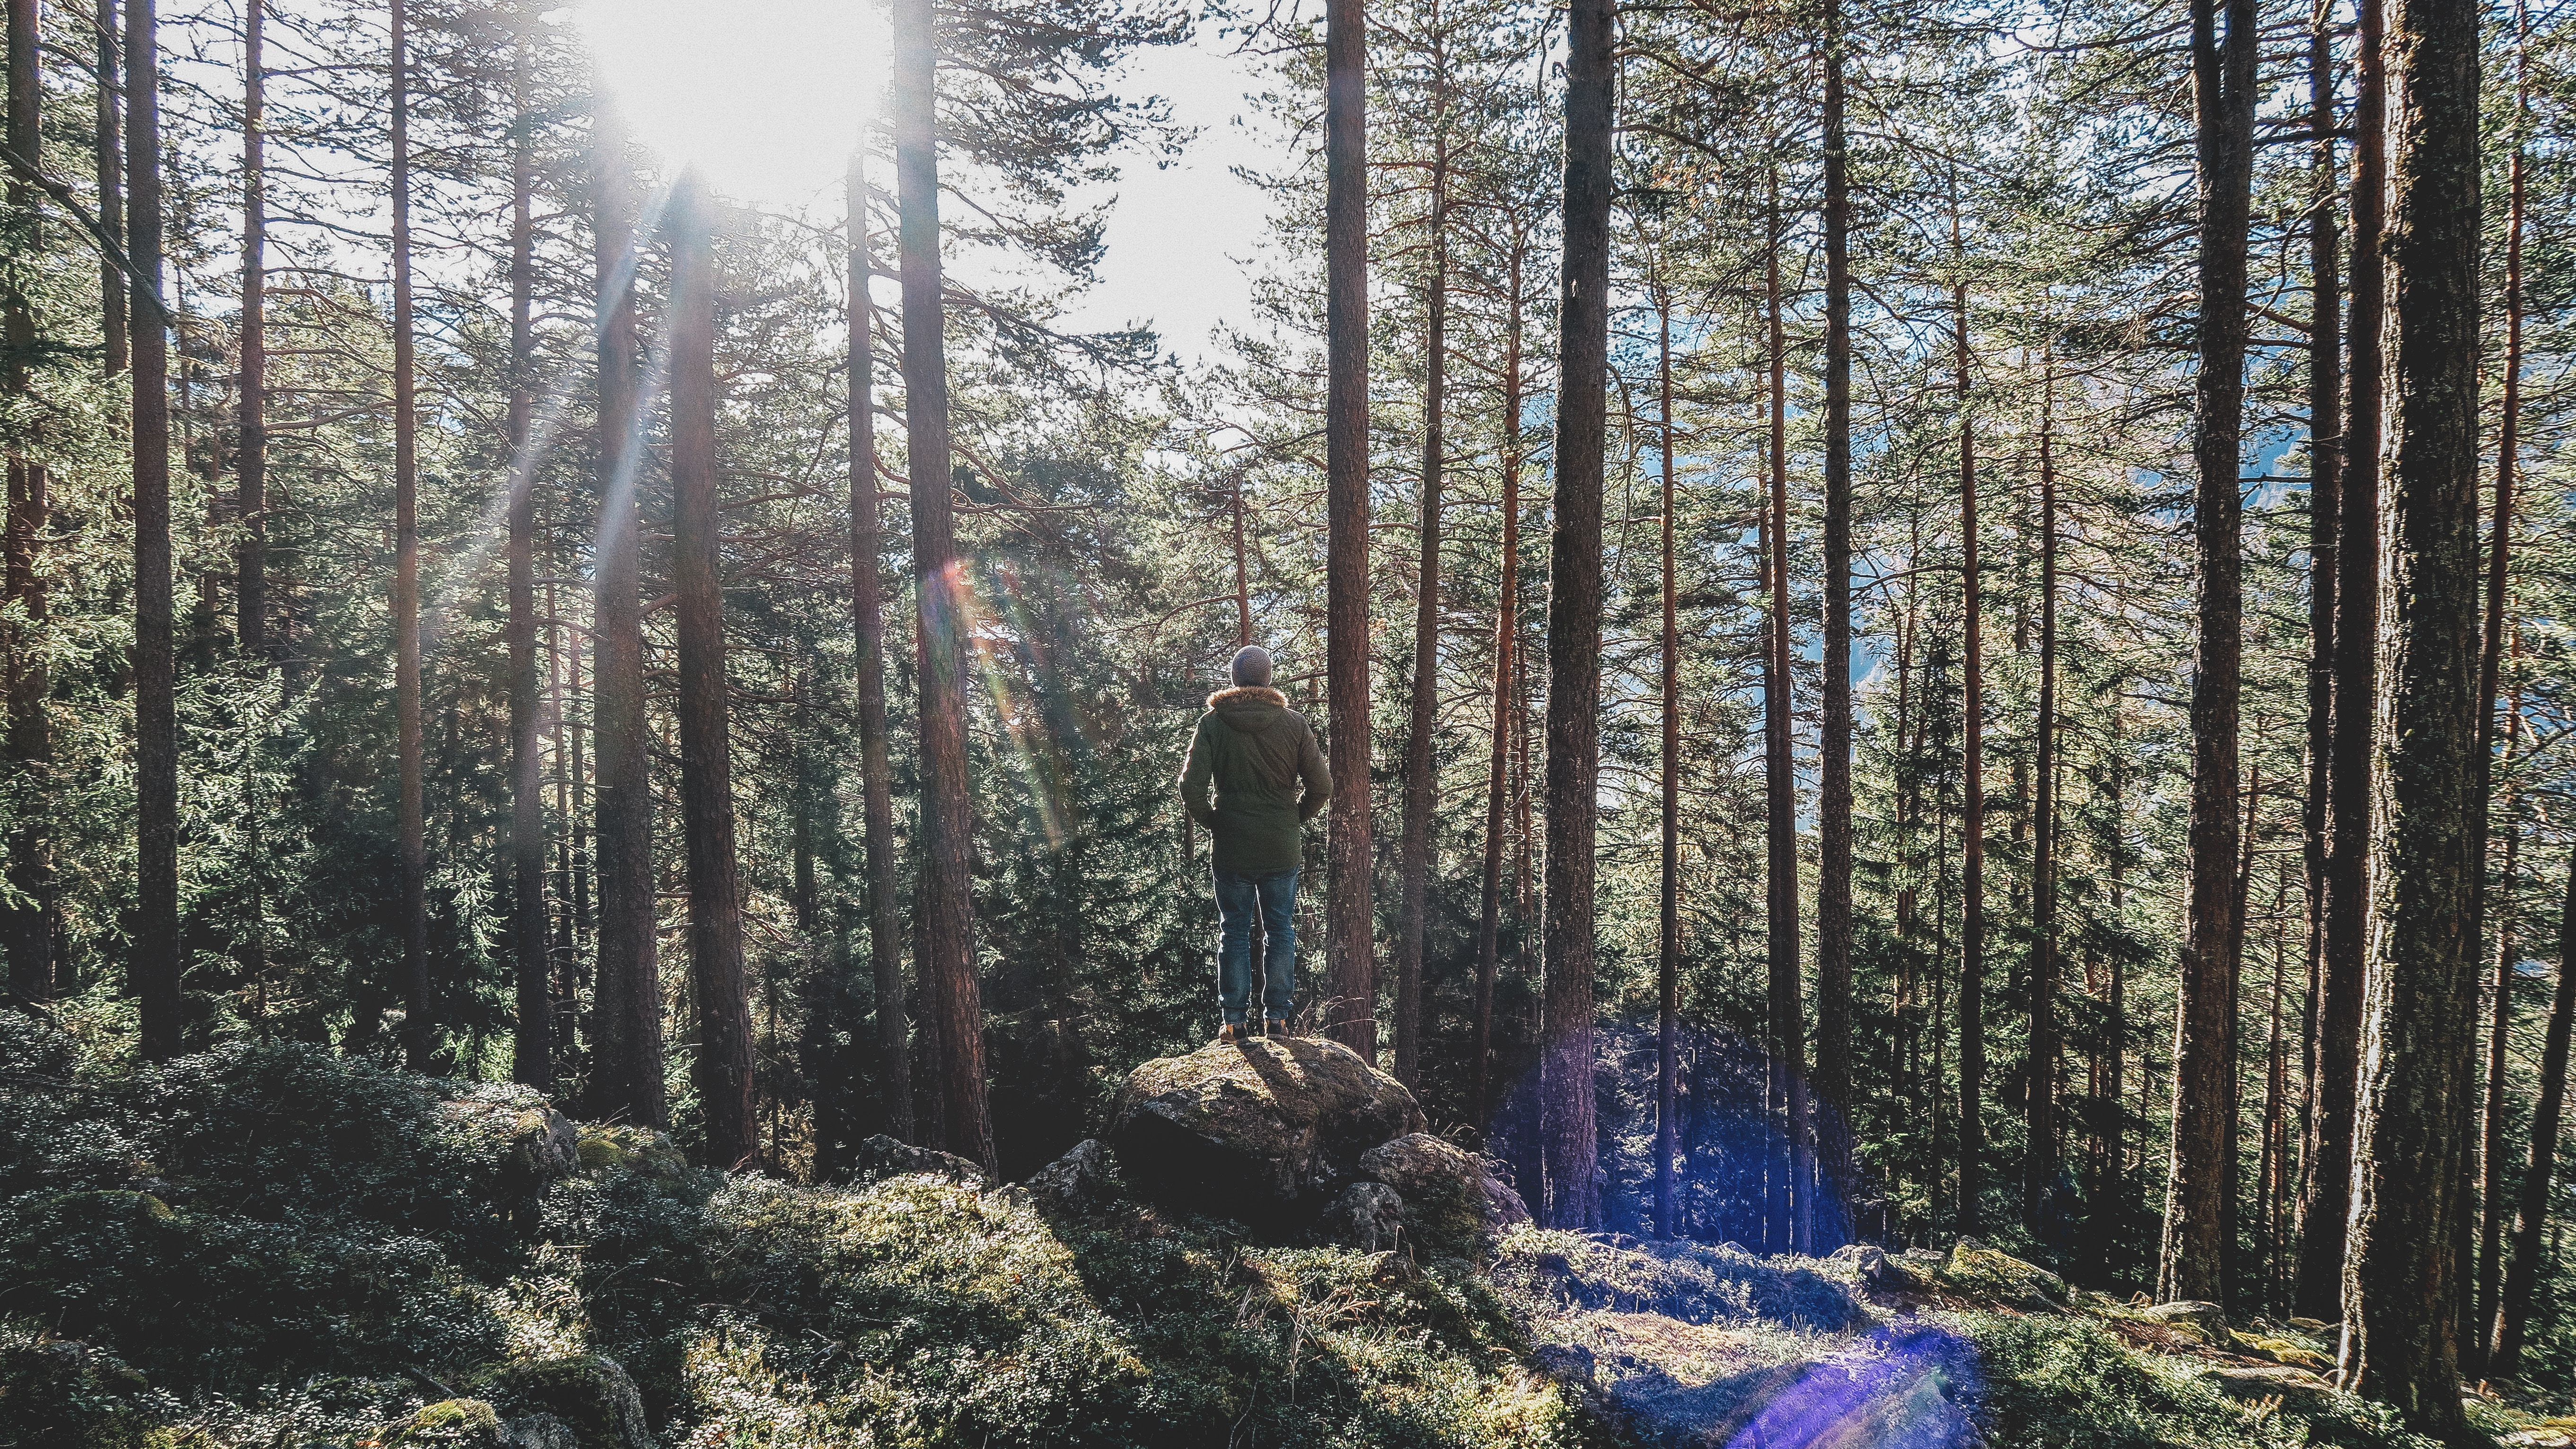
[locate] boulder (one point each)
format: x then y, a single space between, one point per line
1078 1184
588 1393
447 1424
1260 1131
1446 1204
539 1431
1996 1279
639 1150
1872 1266
2204 1321
881 1157
1368 1216
1503 1205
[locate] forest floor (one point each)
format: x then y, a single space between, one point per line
271 1245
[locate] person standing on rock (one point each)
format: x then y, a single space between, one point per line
1257 753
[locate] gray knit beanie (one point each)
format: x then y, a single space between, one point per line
1251 665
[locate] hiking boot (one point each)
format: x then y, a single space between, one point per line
1276 1026
1229 1033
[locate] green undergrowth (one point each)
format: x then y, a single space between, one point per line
270 1245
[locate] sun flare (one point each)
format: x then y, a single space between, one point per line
766 95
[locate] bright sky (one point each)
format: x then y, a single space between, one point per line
766 94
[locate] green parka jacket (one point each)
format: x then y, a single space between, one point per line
1256 751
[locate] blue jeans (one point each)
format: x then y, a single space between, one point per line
1238 898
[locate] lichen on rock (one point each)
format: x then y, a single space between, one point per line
1260 1131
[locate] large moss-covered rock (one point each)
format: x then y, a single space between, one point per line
1990 1278
447 1424
589 1393
1255 1130
1445 1205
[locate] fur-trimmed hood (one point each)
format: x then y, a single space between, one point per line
1250 708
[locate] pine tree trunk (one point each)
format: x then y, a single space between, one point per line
1424 704
1834 785
109 160
532 1056
944 921
867 606
2325 493
26 930
1506 707
2490 686
2040 1167
2491 1153
2400 1288
626 1012
1573 1197
1972 823
156 945
2330 1181
1668 963
250 590
419 1026
2192 1263
722 1071
1350 983
1779 768
2513 1305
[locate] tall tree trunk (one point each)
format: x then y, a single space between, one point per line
867 606
532 1057
1668 962
155 960
1779 767
2400 1285
2192 1262
2356 635
1834 787
1573 1198
110 163
26 929
1415 865
1350 981
944 909
419 1029
1972 769
2491 1190
722 1071
1506 700
2325 493
2274 1145
2513 1306
2490 686
626 1012
2040 1167
250 590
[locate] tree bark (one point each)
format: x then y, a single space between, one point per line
156 960
250 590
1834 792
1506 704
626 1059
2400 1288
1424 703
2490 688
1779 767
26 930
1573 1197
532 1058
2513 1305
419 1027
2330 1181
2491 1154
944 909
1350 982
2040 1166
110 164
723 1069
2325 493
1668 962
2192 1262
867 607
1972 767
